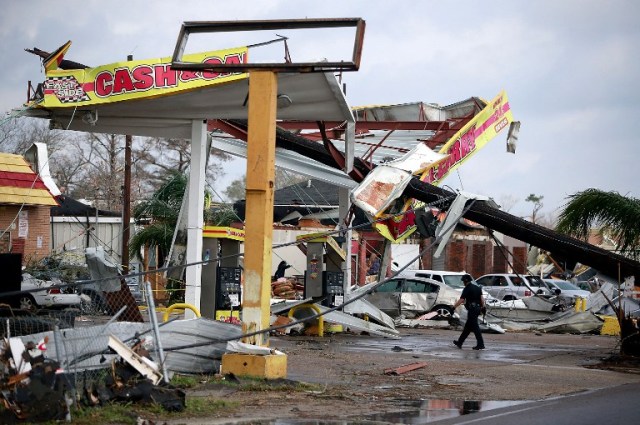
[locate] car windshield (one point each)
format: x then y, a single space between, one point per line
454 281
534 281
565 286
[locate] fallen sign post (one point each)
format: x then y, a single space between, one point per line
404 369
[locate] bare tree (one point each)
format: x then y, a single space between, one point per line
18 134
163 157
537 205
91 165
507 202
67 170
102 178
236 189
8 128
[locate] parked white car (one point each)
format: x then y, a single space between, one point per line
40 293
413 296
510 286
451 279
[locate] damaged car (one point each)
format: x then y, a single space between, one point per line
412 297
36 293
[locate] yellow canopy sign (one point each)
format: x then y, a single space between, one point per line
135 79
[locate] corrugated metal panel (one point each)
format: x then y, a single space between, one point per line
438 263
70 234
82 348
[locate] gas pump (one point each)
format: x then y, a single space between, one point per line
333 287
221 288
324 277
228 289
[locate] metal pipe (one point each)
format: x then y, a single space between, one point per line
156 330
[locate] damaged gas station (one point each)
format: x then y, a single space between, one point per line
384 163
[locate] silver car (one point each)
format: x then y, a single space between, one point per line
511 286
566 289
413 296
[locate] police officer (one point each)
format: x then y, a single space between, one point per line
474 303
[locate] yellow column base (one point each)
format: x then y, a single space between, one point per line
272 366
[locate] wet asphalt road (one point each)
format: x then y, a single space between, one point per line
611 406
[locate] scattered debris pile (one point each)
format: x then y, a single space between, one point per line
134 377
32 387
35 388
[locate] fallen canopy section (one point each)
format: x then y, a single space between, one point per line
562 246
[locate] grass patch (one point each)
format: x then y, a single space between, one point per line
205 406
196 407
110 413
128 413
188 381
243 383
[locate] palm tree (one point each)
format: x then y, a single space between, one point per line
160 214
617 214
161 211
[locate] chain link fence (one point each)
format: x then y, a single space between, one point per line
71 304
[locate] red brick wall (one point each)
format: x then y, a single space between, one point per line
478 260
474 257
499 262
520 259
426 261
456 256
39 228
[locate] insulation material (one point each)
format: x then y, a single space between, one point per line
385 183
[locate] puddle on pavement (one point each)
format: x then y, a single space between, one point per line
421 346
435 410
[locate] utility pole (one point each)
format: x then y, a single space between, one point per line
126 200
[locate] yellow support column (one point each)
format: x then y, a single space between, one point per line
263 89
261 141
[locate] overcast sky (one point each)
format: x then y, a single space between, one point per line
570 68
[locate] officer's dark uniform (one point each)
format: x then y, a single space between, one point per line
472 295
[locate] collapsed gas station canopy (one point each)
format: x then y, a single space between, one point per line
149 98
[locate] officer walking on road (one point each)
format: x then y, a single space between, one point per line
474 303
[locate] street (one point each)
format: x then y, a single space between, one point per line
540 378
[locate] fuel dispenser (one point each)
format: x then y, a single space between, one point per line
228 289
324 277
221 289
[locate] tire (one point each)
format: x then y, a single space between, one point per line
26 302
509 298
444 311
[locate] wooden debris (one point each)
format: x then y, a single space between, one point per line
404 369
